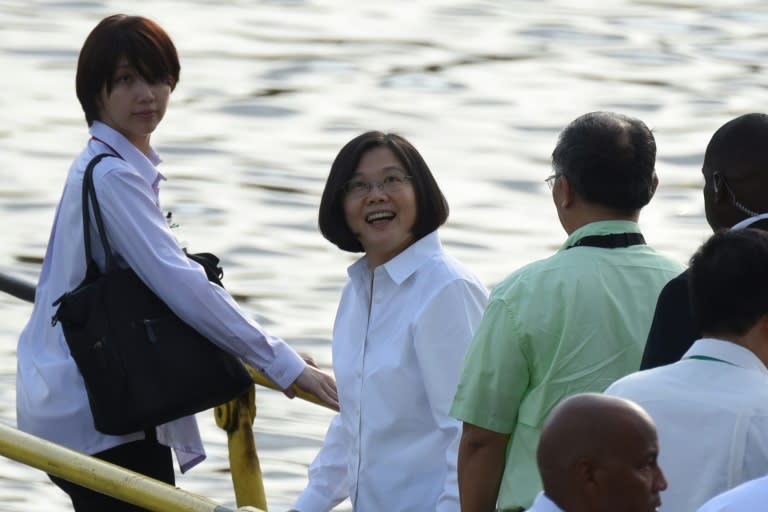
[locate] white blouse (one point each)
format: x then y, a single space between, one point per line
398 344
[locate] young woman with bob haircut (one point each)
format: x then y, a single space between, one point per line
126 71
405 318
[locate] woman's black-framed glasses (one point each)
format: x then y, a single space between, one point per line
357 189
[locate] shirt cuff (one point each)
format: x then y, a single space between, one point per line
287 365
312 501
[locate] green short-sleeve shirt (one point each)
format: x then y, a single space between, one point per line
571 323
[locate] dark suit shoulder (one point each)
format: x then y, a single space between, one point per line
672 332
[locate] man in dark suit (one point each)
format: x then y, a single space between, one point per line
735 196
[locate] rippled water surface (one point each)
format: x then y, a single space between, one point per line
270 91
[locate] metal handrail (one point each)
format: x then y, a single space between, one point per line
101 476
17 287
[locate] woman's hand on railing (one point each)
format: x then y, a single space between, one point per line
319 384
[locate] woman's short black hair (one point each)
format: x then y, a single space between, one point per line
431 206
145 45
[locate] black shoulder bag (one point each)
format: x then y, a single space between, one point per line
142 365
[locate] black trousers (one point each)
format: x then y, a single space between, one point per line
145 456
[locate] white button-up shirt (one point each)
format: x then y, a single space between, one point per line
711 413
750 496
542 503
399 338
51 400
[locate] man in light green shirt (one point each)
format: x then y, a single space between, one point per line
571 323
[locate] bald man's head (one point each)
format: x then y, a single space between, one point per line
598 453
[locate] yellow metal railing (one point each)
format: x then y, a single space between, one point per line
236 418
102 476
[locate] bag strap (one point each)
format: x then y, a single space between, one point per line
90 192
611 241
208 261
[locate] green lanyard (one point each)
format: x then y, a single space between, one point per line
707 358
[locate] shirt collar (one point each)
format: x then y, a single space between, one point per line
748 222
602 227
117 142
544 504
728 352
404 264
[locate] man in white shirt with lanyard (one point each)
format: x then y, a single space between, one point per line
711 408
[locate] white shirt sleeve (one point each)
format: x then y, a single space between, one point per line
329 479
443 332
139 233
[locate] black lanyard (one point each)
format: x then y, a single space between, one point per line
612 241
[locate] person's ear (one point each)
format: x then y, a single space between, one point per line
762 323
654 183
760 344
587 475
566 195
717 185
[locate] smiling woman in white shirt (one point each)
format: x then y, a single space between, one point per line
127 69
406 317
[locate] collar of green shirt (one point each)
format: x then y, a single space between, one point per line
603 227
